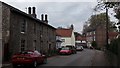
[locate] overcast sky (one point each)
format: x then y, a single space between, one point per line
61 13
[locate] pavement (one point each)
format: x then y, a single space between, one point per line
100 59
6 65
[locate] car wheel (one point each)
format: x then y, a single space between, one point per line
45 61
35 64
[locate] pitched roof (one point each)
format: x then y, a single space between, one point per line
15 10
64 32
113 34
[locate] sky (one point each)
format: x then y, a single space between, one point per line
61 13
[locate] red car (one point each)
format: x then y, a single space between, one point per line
65 50
32 58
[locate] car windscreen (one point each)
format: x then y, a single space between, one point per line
66 48
26 52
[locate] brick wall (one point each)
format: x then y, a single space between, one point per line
101 36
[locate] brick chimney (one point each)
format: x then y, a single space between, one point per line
44 20
34 13
72 27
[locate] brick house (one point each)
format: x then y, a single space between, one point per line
98 34
90 37
80 41
20 31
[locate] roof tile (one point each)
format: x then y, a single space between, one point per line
64 32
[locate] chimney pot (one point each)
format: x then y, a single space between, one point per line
29 10
45 17
42 17
46 21
34 10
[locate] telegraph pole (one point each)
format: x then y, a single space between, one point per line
107 36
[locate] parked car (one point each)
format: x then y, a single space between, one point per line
72 48
32 58
65 50
79 48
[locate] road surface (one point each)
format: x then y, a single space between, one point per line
87 57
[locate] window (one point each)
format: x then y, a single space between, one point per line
22 45
63 40
94 32
23 26
94 39
90 33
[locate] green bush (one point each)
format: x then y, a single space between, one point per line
94 44
113 47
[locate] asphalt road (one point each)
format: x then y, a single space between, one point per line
87 57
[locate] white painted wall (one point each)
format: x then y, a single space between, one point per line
66 42
73 39
69 40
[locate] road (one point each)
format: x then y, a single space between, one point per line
87 57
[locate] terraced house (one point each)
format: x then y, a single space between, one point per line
20 31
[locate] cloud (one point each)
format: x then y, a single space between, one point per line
61 13
49 0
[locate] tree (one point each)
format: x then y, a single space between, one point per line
94 44
96 20
85 27
103 4
77 34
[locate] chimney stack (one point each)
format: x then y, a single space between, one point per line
72 27
34 10
29 10
45 17
34 13
46 21
42 17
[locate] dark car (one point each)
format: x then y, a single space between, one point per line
31 58
65 50
72 48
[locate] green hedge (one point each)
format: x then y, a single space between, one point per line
94 44
113 47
